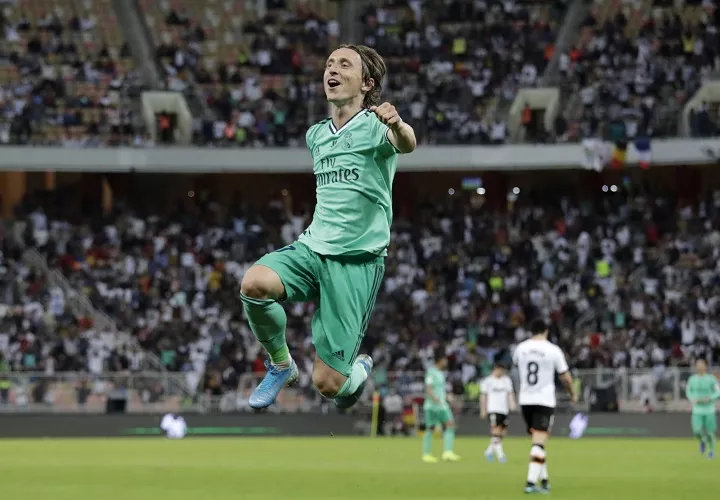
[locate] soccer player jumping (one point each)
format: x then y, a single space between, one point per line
702 390
338 261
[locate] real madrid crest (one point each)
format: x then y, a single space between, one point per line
347 141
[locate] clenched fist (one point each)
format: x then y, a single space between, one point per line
387 114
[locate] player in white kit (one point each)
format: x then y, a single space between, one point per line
497 400
538 360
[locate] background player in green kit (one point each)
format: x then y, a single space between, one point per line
702 390
437 411
338 261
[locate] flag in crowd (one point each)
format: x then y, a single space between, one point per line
642 145
619 154
598 154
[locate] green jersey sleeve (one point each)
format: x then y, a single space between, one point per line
310 135
380 133
308 138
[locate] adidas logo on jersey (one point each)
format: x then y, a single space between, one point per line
339 355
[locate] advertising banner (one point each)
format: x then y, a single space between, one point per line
249 425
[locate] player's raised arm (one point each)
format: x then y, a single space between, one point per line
401 135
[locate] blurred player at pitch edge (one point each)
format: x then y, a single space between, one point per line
578 425
702 391
497 400
438 413
538 360
174 426
339 260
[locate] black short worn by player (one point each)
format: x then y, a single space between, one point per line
538 418
498 419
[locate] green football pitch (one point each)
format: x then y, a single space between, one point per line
347 468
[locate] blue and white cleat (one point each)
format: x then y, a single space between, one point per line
711 455
534 489
502 459
702 447
345 402
545 485
275 379
489 456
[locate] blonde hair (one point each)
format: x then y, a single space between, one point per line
373 67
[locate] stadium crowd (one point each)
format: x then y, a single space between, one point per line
67 77
626 283
635 66
265 88
452 66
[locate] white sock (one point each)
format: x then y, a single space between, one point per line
498 448
537 459
490 447
544 473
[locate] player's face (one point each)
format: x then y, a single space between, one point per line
701 366
343 76
442 363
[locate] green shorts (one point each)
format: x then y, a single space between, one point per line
437 415
344 289
704 424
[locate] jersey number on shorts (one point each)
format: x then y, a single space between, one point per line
532 375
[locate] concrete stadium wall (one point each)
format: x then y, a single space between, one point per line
26 426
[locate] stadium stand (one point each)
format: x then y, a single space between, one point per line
65 75
628 284
636 64
640 268
452 65
259 70
454 70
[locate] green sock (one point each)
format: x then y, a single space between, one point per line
267 321
449 439
701 438
711 443
427 441
358 375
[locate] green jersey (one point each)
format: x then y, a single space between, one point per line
435 381
354 168
701 387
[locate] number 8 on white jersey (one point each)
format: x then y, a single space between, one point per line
538 361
